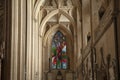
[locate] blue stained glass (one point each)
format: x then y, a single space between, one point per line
59 57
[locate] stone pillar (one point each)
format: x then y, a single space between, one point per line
40 61
35 49
18 40
116 17
14 41
29 41
35 52
118 32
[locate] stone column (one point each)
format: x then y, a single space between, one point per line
35 52
40 61
118 32
116 19
18 40
14 40
29 41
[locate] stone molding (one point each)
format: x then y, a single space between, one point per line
103 25
44 21
86 51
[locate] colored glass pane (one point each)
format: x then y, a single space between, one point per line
59 57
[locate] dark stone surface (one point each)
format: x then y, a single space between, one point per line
5 37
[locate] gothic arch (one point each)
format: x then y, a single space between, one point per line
42 39
37 7
42 25
55 28
47 39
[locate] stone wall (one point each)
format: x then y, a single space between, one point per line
105 56
101 48
86 21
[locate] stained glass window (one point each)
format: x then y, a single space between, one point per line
59 57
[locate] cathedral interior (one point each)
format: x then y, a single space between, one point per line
59 39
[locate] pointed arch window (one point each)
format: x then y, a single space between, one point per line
59 58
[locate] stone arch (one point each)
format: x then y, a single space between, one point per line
42 25
54 29
47 39
37 7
